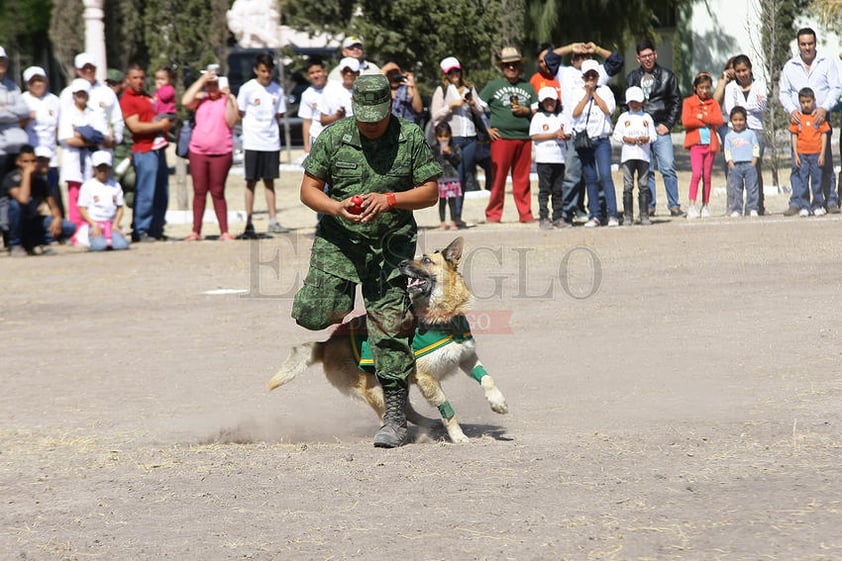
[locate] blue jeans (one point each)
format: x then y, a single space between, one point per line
744 175
809 177
29 229
467 166
118 241
570 186
151 193
828 179
664 156
596 168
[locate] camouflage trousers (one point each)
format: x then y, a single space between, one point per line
326 299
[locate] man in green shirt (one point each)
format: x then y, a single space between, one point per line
387 162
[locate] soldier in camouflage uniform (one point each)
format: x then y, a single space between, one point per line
387 162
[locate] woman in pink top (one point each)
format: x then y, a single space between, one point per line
211 148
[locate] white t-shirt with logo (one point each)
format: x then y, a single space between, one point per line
550 151
42 130
261 106
635 124
101 199
335 96
311 108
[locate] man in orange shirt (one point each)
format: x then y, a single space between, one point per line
809 140
547 70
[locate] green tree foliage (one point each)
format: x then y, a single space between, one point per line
606 22
67 33
24 27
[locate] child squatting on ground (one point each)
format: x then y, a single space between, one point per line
701 117
808 153
636 130
742 151
549 129
101 206
450 189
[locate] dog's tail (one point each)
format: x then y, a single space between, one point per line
418 419
300 357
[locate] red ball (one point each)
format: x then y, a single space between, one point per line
357 205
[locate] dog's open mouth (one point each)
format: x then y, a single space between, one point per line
418 282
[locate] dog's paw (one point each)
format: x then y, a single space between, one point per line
500 407
459 438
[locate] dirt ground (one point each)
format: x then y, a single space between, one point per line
674 393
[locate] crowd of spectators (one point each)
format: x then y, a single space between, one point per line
565 110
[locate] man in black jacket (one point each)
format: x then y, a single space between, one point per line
663 103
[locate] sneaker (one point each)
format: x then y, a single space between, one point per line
628 220
705 212
736 214
613 222
803 212
792 211
159 143
753 214
562 223
819 211
644 219
545 224
592 223
651 211
833 208
692 213
276 228
674 211
17 251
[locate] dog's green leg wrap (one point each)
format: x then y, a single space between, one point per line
478 372
446 410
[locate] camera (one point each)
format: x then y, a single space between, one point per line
400 78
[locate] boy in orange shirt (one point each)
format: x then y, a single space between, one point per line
808 153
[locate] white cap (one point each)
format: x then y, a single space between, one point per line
589 65
634 94
33 71
449 64
101 157
3 53
82 59
352 40
43 152
80 85
349 62
547 93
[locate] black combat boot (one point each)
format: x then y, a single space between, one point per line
643 202
393 432
628 209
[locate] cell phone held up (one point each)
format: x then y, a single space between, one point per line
468 95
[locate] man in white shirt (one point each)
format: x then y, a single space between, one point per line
101 99
261 103
353 47
336 101
812 69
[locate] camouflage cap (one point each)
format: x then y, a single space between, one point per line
372 98
114 75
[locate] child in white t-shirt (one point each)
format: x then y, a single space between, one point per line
548 130
101 206
636 130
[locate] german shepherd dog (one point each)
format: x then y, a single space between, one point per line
439 299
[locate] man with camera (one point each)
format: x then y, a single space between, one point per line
406 101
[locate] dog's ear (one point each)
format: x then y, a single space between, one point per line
453 252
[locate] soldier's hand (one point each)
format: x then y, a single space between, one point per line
373 206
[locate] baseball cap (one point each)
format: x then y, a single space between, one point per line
350 41
80 85
372 98
349 62
547 93
82 59
33 71
3 53
43 152
589 65
634 93
449 64
101 157
114 75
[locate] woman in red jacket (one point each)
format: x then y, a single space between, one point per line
701 117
